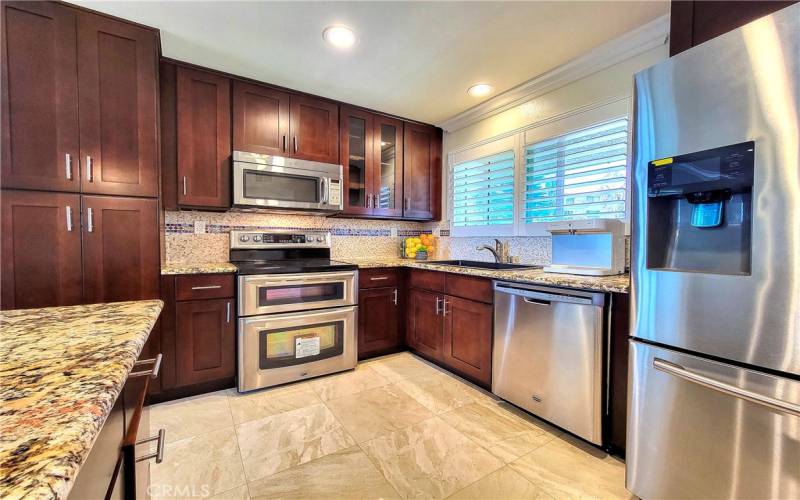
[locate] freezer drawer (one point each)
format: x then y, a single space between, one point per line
548 354
703 429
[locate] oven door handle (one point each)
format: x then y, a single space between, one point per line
337 312
294 279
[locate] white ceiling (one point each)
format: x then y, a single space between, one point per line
413 59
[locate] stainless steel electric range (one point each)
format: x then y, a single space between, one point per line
297 307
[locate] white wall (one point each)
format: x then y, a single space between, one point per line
611 83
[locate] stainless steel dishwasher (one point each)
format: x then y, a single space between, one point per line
548 354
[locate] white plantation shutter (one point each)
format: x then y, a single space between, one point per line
483 193
579 175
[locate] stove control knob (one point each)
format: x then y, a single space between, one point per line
256 238
244 238
320 239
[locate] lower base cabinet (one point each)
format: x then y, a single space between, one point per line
205 343
196 334
467 344
378 321
452 322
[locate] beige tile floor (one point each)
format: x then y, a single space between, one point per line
395 427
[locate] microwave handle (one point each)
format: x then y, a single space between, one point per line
324 190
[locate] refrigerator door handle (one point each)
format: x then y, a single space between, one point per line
731 390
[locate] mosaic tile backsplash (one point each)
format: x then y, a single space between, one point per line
351 238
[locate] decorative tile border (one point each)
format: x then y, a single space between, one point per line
187 228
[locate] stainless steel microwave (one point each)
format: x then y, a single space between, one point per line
286 184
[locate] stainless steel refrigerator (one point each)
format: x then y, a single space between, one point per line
714 391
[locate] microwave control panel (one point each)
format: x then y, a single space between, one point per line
335 194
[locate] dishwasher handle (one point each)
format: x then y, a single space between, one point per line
543 298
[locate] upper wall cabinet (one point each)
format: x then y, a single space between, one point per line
314 126
422 172
274 122
117 68
204 138
372 157
78 102
260 119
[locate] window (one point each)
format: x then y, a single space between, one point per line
483 195
579 175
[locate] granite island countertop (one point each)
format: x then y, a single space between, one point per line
61 370
619 283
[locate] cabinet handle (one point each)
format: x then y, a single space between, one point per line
153 372
379 278
184 185
206 287
374 201
68 165
89 176
407 203
90 219
159 454
228 312
369 199
69 218
395 296
444 307
284 143
294 141
438 305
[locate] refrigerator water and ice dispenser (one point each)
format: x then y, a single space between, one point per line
699 211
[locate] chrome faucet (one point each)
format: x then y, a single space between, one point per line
500 250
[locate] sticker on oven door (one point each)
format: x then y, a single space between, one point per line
306 346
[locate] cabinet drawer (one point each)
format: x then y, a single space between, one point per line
428 280
374 278
469 287
204 286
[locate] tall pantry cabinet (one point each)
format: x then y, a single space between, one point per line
79 171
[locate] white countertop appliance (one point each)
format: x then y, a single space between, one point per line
588 247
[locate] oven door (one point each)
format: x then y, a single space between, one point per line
286 187
275 293
281 348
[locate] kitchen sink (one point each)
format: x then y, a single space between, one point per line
483 265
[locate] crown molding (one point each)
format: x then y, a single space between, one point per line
646 37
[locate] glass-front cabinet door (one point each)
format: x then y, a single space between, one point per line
387 178
357 158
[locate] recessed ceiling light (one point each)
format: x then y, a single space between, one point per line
480 89
340 37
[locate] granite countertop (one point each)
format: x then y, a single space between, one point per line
197 268
619 283
61 370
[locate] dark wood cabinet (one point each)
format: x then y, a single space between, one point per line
41 247
117 81
422 172
425 327
695 22
260 119
615 426
371 149
204 139
120 248
79 102
314 128
467 345
205 343
39 97
196 336
378 320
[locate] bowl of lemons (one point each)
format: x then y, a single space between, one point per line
420 247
